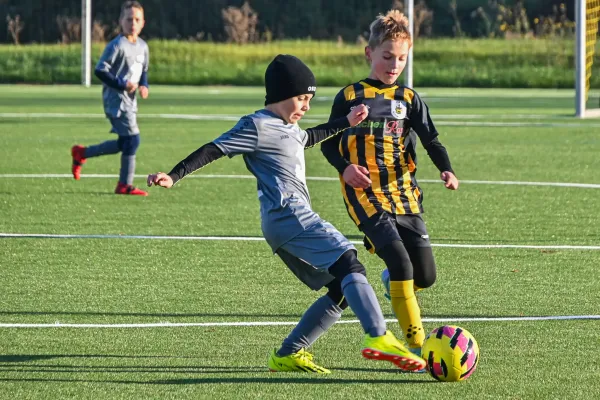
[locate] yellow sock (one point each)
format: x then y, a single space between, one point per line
406 308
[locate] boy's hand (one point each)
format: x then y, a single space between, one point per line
143 92
160 179
131 87
357 176
450 179
358 114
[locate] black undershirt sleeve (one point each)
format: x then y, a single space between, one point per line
438 154
198 159
321 132
421 123
331 147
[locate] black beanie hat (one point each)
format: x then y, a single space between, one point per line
286 77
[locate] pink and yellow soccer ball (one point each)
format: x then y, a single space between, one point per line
451 353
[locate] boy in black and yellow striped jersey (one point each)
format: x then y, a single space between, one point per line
377 164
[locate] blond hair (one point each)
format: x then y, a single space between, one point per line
391 26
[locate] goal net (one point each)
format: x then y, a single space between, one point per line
587 102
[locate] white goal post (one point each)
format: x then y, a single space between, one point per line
86 43
408 70
587 13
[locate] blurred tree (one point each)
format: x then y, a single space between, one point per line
15 26
318 19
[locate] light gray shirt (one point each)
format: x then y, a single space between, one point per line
126 61
273 151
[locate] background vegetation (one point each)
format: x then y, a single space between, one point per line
451 62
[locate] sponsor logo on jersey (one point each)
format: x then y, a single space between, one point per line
370 124
393 127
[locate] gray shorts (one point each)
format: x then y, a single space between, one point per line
310 254
125 124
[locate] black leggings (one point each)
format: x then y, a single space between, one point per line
347 264
409 263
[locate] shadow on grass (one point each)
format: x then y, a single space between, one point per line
315 380
20 363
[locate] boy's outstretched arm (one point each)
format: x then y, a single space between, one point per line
322 132
241 139
198 159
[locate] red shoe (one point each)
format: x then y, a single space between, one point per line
78 153
123 188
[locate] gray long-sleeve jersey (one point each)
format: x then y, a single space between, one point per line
122 61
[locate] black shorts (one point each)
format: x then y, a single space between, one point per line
384 228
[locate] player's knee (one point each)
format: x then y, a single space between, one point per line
426 279
129 144
335 294
347 264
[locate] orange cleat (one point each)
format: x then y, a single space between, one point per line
78 154
123 188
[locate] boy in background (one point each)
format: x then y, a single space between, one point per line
123 70
377 161
273 146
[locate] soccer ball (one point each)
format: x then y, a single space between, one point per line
451 353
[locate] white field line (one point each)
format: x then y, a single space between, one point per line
318 118
260 239
289 323
315 178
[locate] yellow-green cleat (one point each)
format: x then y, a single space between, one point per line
302 361
388 348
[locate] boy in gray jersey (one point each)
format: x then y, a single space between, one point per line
122 69
273 146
